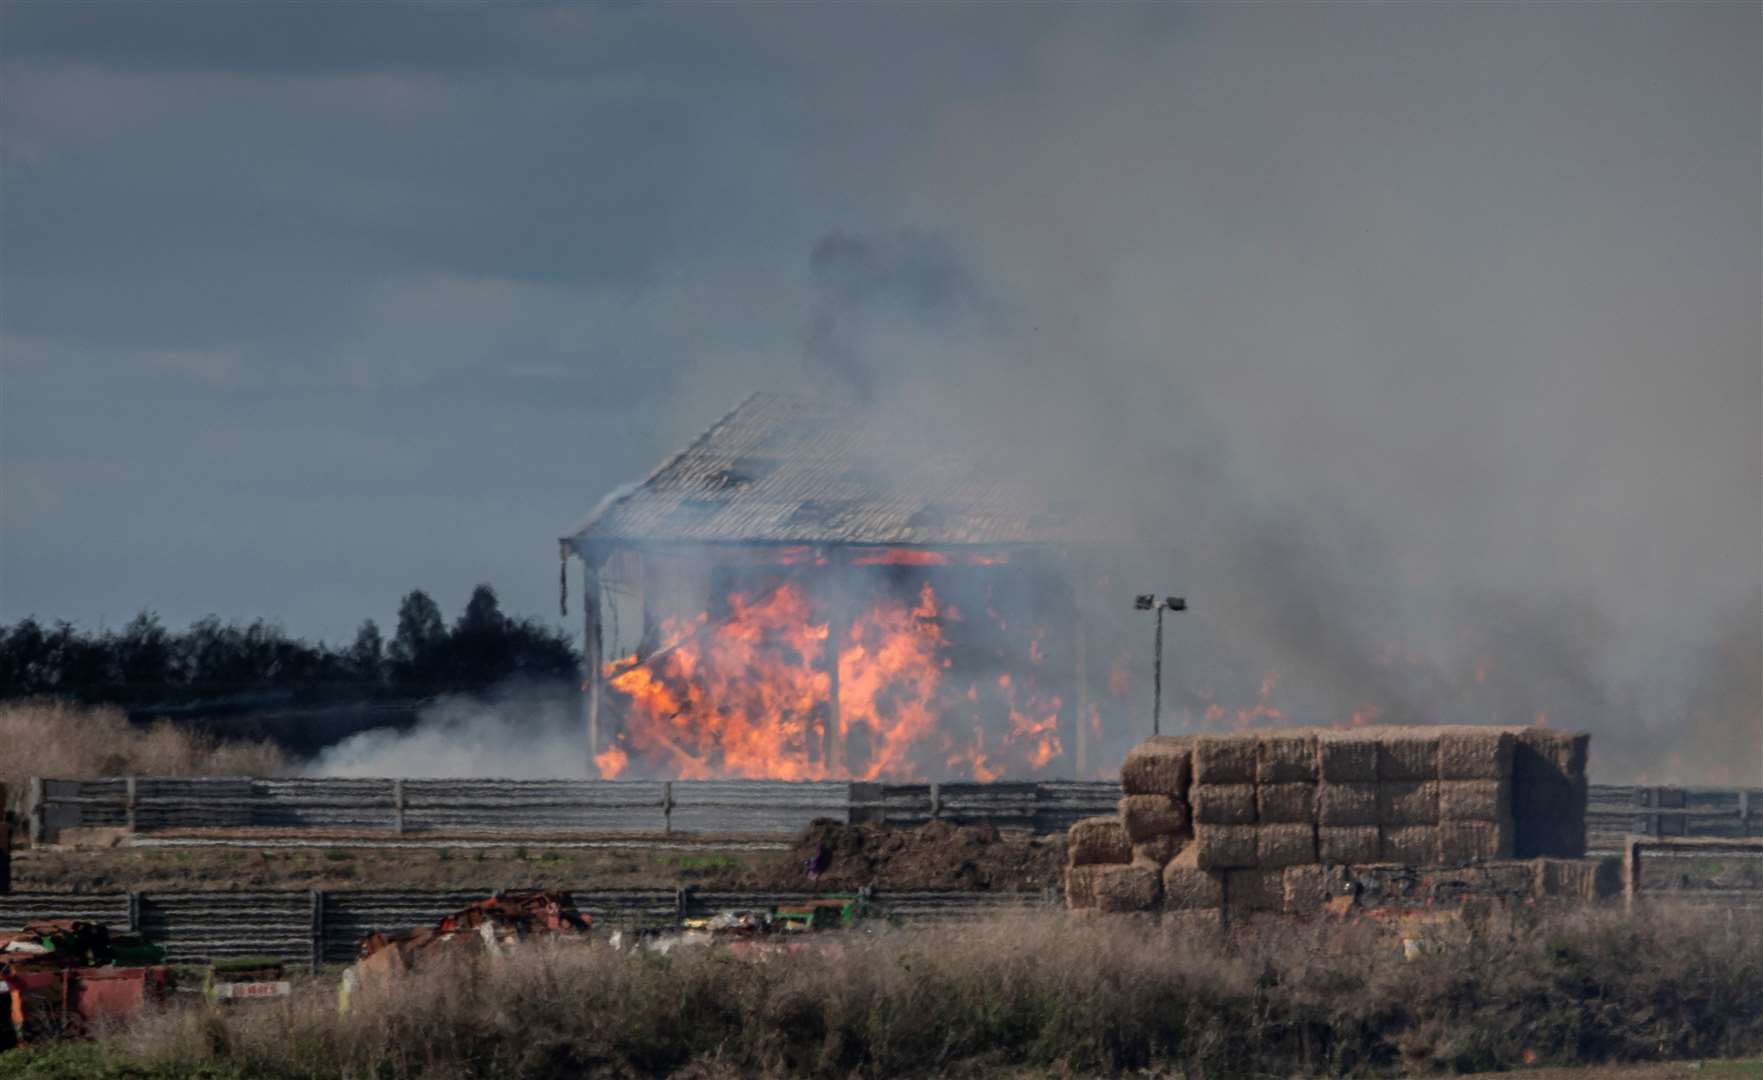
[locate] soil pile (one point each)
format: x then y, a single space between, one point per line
936 855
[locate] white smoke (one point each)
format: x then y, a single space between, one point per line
517 734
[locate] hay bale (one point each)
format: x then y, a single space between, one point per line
1195 922
1408 754
1408 845
1408 802
1346 757
1462 842
1225 759
1286 802
1223 804
1279 846
1541 753
1304 889
1475 800
1225 847
1346 804
1584 880
1080 887
1347 845
1187 886
1097 841
1254 890
1127 888
1158 850
1146 816
1475 753
1549 817
1286 757
1158 766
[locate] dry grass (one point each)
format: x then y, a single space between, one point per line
61 739
1087 995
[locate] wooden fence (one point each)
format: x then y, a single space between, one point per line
543 807
313 927
1614 813
1725 873
517 808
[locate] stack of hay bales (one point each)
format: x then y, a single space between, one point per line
1251 822
1116 863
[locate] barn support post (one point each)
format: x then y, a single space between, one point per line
1080 727
592 661
37 811
316 898
129 816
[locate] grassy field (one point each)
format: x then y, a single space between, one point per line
1024 996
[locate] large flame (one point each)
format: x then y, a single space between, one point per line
752 695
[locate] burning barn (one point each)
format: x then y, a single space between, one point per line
807 592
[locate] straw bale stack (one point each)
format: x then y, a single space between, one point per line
1278 846
1262 821
1469 753
1160 765
1097 841
1286 757
1146 817
1226 847
1475 800
1347 845
1223 804
1203 922
1474 841
1286 803
1410 753
1346 804
1187 886
1158 850
1549 792
1409 845
1080 886
1225 759
1133 887
1408 802
1346 757
1578 879
1254 890
1304 889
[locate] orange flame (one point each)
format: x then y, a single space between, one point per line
751 695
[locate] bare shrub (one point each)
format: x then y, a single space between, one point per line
1079 993
47 737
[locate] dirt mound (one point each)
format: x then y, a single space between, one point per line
936 855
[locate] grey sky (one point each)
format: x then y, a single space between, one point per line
307 305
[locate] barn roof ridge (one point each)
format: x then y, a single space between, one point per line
791 468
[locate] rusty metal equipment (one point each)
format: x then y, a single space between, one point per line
57 977
489 926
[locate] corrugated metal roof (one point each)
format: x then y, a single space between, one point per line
786 469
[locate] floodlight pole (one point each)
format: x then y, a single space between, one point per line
1148 602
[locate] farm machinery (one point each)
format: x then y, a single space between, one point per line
57 977
489 927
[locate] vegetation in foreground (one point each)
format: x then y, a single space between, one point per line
1025 993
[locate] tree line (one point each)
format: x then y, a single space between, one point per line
147 663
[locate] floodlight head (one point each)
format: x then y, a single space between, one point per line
1144 602
1175 603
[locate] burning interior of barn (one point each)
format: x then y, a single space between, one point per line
805 592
